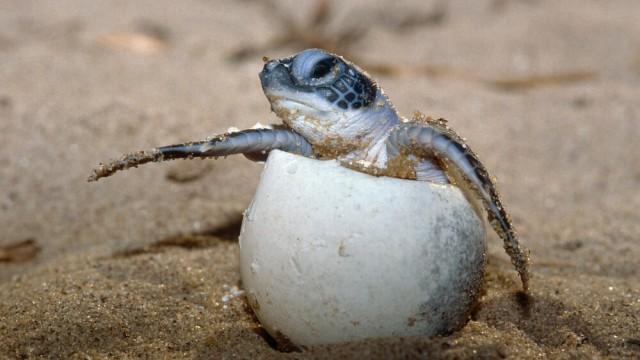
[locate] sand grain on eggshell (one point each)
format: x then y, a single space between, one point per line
140 265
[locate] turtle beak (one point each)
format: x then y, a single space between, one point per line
275 76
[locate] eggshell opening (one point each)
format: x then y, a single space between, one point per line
332 255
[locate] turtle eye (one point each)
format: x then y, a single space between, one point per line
322 68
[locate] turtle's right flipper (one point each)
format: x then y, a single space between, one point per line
434 137
255 143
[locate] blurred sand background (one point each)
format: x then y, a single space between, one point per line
144 264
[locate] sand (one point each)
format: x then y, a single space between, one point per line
145 264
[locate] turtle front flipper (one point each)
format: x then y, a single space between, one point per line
434 138
254 143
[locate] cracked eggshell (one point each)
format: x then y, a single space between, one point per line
331 255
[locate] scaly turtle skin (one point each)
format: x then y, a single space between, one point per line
331 109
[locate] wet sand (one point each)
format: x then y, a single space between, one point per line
145 264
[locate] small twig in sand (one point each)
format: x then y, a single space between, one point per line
534 81
20 251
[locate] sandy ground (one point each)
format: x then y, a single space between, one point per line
547 92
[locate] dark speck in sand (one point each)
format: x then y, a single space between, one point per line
634 343
20 251
284 344
525 301
5 102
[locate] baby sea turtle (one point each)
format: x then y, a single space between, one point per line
332 109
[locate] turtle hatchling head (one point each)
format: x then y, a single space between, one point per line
320 95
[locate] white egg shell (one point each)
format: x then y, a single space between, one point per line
332 255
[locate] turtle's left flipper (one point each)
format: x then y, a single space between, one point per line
434 137
255 143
